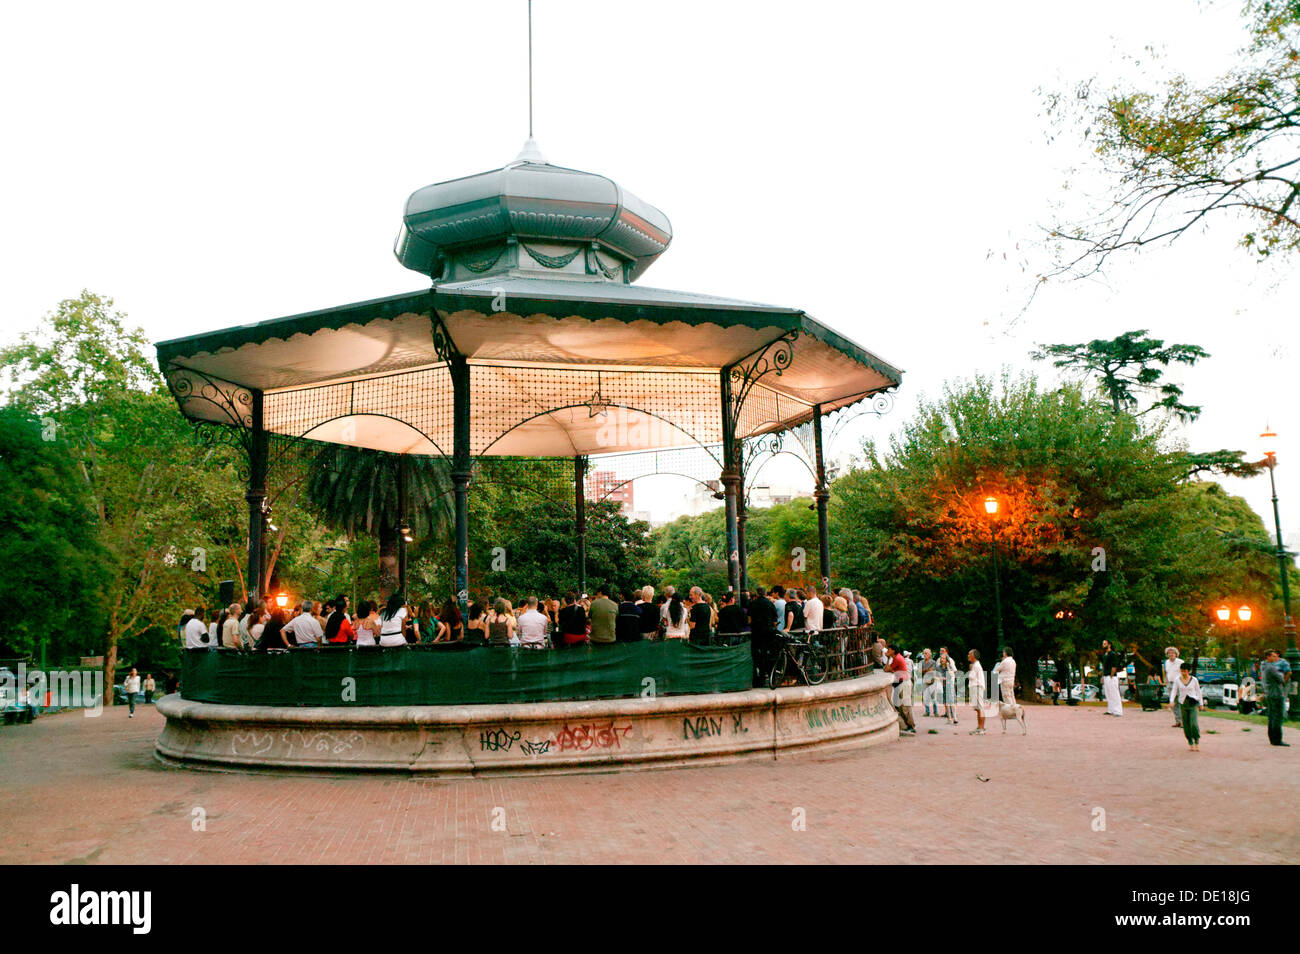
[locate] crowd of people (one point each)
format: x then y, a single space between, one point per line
763 616
534 623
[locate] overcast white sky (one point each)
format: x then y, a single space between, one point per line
219 164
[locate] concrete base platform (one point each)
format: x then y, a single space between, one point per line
556 737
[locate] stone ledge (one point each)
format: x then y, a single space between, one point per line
601 735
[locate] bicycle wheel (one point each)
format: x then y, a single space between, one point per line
776 676
815 665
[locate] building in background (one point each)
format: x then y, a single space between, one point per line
607 485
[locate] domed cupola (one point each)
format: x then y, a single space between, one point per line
531 218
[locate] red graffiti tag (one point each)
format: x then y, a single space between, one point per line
591 736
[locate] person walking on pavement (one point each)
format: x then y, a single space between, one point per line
1111 666
1275 672
131 686
1187 692
975 679
1173 665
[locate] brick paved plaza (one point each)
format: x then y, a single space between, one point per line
75 790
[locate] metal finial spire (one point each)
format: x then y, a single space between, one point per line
530 69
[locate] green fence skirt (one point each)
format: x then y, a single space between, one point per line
478 676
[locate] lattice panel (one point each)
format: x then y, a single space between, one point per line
421 399
632 407
764 410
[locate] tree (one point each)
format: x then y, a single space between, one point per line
1184 155
1131 362
51 558
150 483
356 491
1093 521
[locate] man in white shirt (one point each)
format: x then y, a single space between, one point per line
812 612
975 680
532 626
304 628
1173 664
1006 670
195 633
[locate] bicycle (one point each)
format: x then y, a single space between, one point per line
804 662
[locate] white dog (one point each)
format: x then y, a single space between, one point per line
1012 710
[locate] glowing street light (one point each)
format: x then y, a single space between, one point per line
1243 614
282 599
1224 613
991 508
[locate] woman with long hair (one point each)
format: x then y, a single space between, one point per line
675 618
450 618
500 622
476 626
392 622
367 624
272 635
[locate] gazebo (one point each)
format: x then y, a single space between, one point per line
534 339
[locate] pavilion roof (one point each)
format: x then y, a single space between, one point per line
558 367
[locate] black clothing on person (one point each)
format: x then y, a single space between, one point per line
702 616
627 624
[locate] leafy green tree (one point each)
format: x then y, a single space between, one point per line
51 558
1127 364
1093 523
1183 155
356 491
1125 367
147 476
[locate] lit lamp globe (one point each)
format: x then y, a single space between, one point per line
991 506
1243 614
1223 613
282 600
1268 443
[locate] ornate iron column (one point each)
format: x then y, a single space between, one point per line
402 524
258 454
737 381
460 476
741 512
731 477
580 517
822 495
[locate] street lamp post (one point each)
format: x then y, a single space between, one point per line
991 508
1269 440
1243 615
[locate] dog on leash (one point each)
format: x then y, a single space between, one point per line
1012 710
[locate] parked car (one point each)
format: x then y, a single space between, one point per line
14 706
1086 693
1212 684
